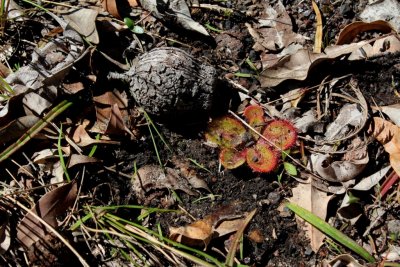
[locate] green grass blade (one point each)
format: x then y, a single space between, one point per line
61 156
35 129
330 231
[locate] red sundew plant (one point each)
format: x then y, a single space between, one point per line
232 137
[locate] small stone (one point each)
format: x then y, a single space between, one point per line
274 197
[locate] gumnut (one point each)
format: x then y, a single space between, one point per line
262 158
226 132
282 133
231 158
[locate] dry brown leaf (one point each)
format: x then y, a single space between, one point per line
73 88
116 123
133 3
221 222
393 112
274 30
111 7
318 31
315 201
17 128
83 139
111 98
388 134
83 20
76 159
297 66
51 205
111 112
195 234
388 44
351 31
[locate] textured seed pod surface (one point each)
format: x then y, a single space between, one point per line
169 81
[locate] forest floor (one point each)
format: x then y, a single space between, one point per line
121 185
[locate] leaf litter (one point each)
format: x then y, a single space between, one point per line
333 152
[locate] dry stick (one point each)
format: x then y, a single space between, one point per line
54 231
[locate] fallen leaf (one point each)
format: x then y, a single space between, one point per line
350 32
389 44
175 12
51 205
316 201
35 104
83 139
116 123
307 120
339 170
83 20
350 117
274 30
388 10
16 128
221 222
388 134
298 65
111 6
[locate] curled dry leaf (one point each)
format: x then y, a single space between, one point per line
51 205
175 12
199 233
297 65
389 44
83 139
352 164
383 10
111 113
351 119
388 134
350 32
